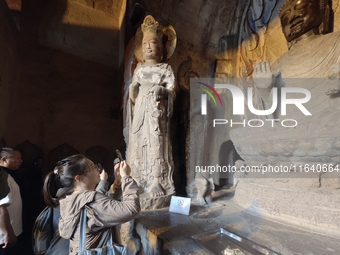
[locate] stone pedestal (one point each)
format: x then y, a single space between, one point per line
150 203
164 232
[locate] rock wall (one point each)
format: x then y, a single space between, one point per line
69 77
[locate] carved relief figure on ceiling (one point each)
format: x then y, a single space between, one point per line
151 98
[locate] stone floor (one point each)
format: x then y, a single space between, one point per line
170 233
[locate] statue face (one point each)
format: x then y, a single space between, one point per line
151 46
300 16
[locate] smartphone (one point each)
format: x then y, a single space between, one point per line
119 155
100 167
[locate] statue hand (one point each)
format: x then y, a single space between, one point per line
263 75
334 72
135 85
332 86
133 90
159 92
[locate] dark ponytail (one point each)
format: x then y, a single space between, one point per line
51 186
60 182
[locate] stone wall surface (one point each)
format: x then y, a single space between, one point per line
89 29
68 82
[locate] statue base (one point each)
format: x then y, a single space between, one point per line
298 180
152 203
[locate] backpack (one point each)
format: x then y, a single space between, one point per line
44 239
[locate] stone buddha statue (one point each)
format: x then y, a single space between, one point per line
151 97
311 53
303 19
312 63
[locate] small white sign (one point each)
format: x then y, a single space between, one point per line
180 205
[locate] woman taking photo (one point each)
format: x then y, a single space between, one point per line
79 177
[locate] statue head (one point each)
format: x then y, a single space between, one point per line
152 46
154 41
299 17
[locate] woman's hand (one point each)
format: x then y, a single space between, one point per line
103 175
120 170
116 173
124 169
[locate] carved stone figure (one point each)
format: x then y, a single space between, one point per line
311 63
302 19
199 184
313 57
152 94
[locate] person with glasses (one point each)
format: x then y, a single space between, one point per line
81 185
